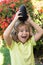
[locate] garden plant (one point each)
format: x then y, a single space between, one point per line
8 8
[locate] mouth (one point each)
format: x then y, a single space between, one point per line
24 37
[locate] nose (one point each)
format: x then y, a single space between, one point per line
24 32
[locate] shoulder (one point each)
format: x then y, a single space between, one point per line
32 41
12 45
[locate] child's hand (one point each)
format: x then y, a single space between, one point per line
29 18
17 15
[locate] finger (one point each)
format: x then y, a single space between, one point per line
19 9
20 16
18 12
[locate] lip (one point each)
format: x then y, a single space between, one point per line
24 36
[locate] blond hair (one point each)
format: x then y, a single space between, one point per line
16 30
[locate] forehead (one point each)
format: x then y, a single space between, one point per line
22 27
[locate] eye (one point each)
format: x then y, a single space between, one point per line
21 30
27 30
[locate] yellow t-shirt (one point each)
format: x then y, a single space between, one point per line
22 54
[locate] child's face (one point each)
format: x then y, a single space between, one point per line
23 33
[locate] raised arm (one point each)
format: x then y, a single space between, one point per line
39 30
7 32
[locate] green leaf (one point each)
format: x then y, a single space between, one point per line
38 21
41 16
35 11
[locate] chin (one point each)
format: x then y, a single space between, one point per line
23 41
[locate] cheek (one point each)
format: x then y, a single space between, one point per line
28 34
19 34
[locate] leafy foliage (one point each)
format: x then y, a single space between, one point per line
8 8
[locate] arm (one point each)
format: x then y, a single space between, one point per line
31 32
7 32
37 28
